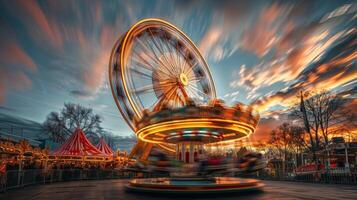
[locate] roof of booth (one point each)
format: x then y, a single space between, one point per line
78 145
104 148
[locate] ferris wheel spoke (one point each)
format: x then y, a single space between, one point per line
169 48
159 99
183 102
141 43
190 67
179 58
181 63
185 67
149 66
193 92
149 76
170 97
196 78
144 89
199 91
174 63
166 97
168 82
164 65
161 50
141 64
155 58
174 102
195 81
142 61
164 86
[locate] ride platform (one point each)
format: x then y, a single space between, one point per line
193 185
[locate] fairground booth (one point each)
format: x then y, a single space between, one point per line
78 149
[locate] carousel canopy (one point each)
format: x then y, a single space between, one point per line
104 147
78 145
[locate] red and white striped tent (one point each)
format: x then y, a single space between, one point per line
104 147
78 147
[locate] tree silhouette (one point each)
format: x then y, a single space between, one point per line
60 125
327 115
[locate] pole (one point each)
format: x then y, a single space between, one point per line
328 158
19 173
347 165
302 159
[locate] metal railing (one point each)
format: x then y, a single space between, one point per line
16 179
337 176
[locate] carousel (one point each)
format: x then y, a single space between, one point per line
164 90
22 152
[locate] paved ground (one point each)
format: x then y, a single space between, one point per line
113 189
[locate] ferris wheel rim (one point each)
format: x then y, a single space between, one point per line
121 46
124 43
116 100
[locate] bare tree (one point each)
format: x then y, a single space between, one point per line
281 139
325 115
298 139
298 142
289 141
59 126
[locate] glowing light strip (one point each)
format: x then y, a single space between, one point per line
208 121
239 127
163 129
167 148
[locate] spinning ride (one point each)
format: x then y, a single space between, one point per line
155 65
164 90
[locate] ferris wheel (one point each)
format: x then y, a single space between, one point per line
154 66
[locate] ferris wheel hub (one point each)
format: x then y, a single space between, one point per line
183 79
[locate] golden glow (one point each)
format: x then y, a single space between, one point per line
166 148
158 138
160 134
235 128
183 79
229 135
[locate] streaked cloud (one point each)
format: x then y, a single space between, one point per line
15 64
335 68
259 51
38 24
261 35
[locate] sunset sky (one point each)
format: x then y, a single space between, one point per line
260 52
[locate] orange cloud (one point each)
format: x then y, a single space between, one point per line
329 73
261 35
50 30
288 67
15 62
16 55
95 73
209 40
